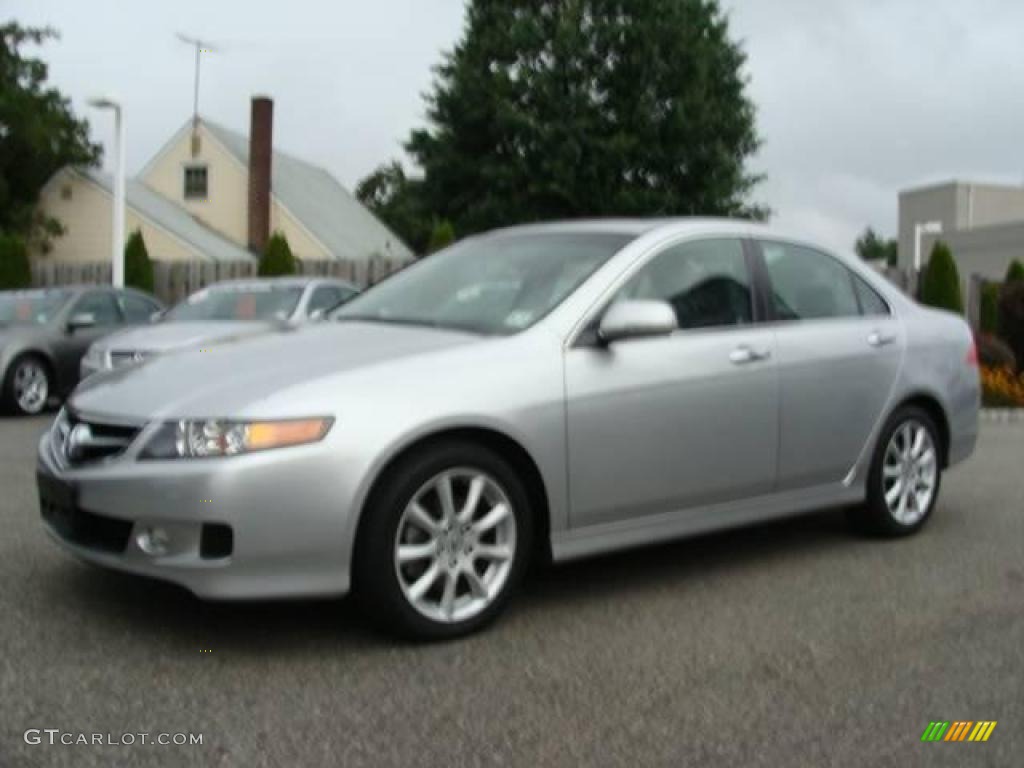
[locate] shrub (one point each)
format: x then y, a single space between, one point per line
988 310
995 353
441 236
1011 317
15 270
1001 388
1015 271
940 286
277 259
138 269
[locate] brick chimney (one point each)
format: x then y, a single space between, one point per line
261 148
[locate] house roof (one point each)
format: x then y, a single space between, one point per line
325 208
173 218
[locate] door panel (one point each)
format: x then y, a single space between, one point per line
839 351
663 424
73 344
834 386
658 425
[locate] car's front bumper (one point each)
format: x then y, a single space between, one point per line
287 511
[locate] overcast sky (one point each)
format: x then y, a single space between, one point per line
856 98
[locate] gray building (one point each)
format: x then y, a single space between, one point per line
983 224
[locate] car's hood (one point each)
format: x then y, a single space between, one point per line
226 379
165 337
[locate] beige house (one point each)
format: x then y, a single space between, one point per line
983 224
211 194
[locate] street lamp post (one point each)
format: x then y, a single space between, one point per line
117 219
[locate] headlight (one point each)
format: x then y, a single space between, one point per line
218 437
94 357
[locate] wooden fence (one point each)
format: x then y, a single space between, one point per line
174 280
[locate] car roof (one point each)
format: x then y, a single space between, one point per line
299 281
638 226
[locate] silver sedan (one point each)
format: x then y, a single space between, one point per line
221 312
544 392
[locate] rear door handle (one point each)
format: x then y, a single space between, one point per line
880 339
744 354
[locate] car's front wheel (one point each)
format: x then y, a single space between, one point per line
445 540
26 387
905 475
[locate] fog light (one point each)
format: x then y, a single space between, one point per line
153 541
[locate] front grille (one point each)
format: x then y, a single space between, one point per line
123 357
79 441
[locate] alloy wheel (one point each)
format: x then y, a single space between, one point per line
31 386
455 545
909 472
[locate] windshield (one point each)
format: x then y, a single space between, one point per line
30 307
497 284
238 302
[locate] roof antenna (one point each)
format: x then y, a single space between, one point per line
200 46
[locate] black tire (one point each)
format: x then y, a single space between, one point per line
8 400
377 583
874 517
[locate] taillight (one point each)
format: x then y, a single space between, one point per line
972 354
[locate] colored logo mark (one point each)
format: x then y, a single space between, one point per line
959 730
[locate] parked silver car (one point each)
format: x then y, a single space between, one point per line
218 313
546 391
45 332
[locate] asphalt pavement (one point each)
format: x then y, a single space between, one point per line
790 644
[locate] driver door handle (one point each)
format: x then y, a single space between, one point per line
880 338
744 354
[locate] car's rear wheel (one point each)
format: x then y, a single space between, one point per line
905 476
445 540
26 388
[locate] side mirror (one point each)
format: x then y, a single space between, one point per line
81 320
317 315
157 316
636 319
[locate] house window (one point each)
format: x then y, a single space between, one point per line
195 182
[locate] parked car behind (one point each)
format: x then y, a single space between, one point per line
544 391
45 332
218 313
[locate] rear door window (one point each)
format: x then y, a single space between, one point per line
807 284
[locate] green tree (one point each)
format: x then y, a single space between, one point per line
940 284
398 202
39 135
138 269
441 236
15 270
871 247
277 259
1014 272
988 310
568 108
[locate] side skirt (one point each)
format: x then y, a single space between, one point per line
665 526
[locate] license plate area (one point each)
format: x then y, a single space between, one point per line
57 503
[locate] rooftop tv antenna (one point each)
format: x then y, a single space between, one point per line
201 46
